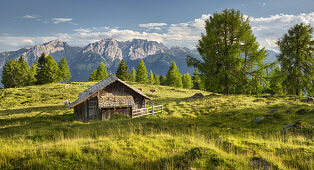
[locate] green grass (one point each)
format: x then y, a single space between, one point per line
38 132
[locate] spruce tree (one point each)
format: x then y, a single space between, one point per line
296 59
41 69
132 75
157 80
65 73
151 77
122 71
93 76
196 79
141 72
163 80
230 53
173 76
102 72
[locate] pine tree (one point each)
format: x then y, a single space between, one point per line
151 77
102 72
141 72
93 76
296 59
65 73
122 71
196 80
230 53
157 80
132 76
173 76
187 81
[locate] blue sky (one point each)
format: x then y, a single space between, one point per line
172 22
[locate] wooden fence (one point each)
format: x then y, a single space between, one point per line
147 111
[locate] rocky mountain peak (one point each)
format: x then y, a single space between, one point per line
139 48
108 48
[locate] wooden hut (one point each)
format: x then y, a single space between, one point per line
109 96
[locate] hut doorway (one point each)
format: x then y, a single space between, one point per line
92 109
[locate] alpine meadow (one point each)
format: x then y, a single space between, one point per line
130 102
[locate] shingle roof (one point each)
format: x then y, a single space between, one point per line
100 85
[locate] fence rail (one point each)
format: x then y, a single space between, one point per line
147 111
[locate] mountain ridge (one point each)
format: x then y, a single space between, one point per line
83 60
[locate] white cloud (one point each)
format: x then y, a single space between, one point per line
156 26
61 20
82 30
266 29
29 16
14 43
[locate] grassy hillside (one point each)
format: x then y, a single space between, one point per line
37 131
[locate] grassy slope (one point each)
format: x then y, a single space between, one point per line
37 131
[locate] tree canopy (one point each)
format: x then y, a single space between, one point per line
230 53
296 59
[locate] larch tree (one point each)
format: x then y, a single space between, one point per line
23 71
157 80
230 53
132 75
52 71
93 76
296 59
141 72
10 74
151 79
32 74
187 81
65 73
102 72
173 76
276 79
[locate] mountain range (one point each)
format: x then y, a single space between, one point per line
83 60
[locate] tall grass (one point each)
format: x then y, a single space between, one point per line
37 131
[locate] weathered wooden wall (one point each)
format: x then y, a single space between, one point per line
123 100
80 112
